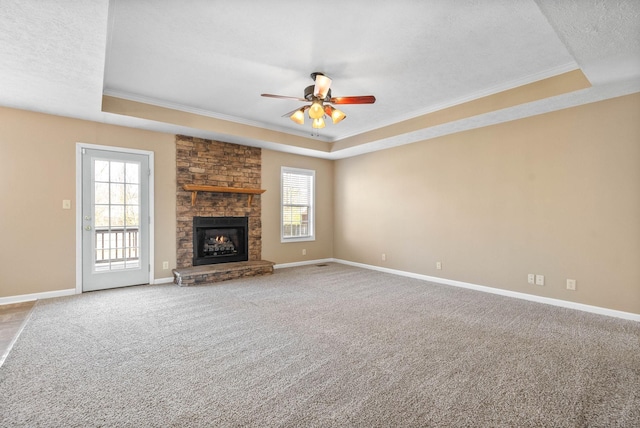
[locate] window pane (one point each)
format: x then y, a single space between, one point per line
296 189
295 221
101 216
117 215
117 193
133 173
131 194
117 266
114 242
102 193
101 170
117 172
133 219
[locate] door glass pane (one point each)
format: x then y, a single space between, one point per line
116 215
101 216
101 170
132 217
131 194
102 193
117 193
133 173
117 172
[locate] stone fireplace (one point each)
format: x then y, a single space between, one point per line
230 166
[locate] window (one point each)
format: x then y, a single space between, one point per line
298 198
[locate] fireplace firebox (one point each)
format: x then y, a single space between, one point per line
220 240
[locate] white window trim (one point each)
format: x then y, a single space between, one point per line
312 207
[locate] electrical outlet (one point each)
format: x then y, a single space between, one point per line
531 278
384 257
571 284
66 204
539 279
438 265
165 265
304 251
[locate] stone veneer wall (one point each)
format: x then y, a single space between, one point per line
214 163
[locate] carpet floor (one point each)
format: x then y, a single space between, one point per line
318 346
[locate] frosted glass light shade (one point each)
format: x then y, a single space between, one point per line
298 117
337 115
318 123
323 83
316 111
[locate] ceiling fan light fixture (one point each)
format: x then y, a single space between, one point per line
323 83
335 114
318 123
298 116
316 111
317 95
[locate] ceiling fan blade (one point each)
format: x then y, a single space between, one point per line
361 99
283 97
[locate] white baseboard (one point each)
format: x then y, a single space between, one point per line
515 294
546 300
36 296
304 263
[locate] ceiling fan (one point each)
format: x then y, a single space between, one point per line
319 95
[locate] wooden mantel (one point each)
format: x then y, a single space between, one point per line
195 188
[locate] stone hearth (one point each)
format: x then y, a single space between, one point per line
220 272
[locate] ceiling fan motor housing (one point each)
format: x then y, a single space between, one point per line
308 93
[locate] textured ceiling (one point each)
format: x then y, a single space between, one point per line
213 59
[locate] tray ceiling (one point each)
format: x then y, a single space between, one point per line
198 68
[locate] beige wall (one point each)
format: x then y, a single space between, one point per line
556 194
272 249
38 171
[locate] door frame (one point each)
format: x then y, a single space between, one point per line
79 201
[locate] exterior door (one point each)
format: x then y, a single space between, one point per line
115 219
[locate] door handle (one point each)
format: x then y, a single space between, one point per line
87 228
